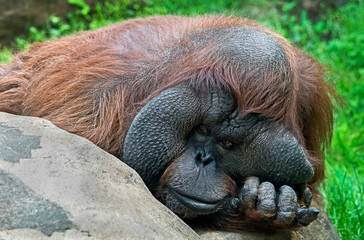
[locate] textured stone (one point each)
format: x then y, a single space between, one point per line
93 194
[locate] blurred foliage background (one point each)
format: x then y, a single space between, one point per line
331 31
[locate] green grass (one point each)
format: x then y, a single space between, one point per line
345 163
336 40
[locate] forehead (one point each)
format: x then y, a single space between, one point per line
247 46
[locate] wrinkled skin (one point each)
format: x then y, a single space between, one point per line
215 150
201 157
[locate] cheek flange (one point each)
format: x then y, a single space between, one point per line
158 132
277 157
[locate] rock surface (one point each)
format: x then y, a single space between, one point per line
56 185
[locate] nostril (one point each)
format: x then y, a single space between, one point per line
203 157
207 158
198 157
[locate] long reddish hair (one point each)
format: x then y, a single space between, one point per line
94 83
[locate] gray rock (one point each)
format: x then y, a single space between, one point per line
68 188
56 185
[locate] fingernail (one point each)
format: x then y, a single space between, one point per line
234 203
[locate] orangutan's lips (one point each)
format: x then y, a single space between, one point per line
197 204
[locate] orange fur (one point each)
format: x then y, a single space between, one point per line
94 83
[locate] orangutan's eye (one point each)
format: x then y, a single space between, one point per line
203 129
227 144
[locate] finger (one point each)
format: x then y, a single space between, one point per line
266 204
307 197
286 206
248 195
306 216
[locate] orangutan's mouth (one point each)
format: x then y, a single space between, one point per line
195 203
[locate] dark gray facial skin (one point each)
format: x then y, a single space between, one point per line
210 141
205 148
